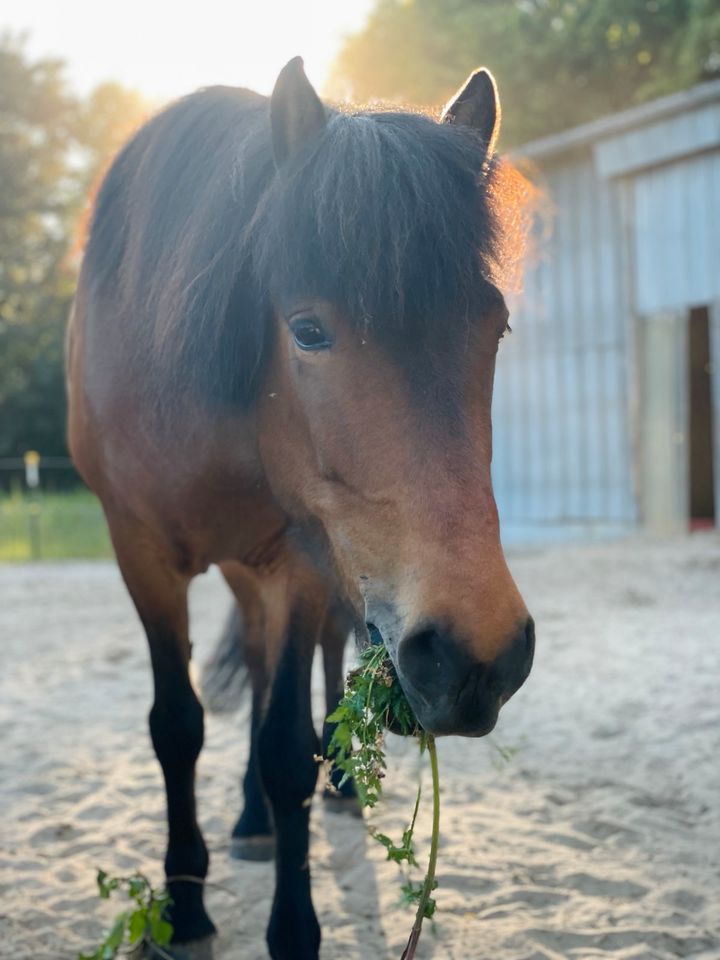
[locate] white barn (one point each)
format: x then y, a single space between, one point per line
607 408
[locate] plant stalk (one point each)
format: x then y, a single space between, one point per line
409 951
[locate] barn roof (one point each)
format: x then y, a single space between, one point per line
658 131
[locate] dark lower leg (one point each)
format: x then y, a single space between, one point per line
176 727
253 833
255 821
288 748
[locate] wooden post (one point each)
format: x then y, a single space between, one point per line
714 318
664 422
32 479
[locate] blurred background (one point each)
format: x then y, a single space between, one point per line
607 409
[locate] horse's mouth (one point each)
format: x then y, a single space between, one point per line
375 639
459 705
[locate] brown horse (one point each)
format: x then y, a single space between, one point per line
281 360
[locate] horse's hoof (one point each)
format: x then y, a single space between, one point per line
193 950
258 848
293 933
191 922
337 803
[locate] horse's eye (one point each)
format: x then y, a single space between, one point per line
309 334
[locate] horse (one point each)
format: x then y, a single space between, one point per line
280 360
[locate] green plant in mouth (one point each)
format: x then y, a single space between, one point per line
143 923
374 702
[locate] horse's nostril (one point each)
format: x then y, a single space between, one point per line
432 661
423 641
450 688
530 639
511 669
419 651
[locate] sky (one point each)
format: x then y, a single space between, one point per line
165 48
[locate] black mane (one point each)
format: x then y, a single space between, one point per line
387 214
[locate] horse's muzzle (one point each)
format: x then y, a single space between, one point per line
451 692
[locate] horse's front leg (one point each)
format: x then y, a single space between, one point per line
177 729
176 724
288 750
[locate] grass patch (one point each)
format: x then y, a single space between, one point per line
52 526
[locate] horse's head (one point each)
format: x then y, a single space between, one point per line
375 421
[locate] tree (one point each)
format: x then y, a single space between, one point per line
36 122
558 62
105 120
51 147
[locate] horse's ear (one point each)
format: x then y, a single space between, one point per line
296 112
477 105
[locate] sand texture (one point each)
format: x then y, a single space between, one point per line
599 838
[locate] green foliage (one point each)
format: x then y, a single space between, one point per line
144 922
412 896
36 120
373 702
52 146
558 62
105 120
404 852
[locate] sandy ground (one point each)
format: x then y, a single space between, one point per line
600 838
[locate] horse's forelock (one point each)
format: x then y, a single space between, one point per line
388 214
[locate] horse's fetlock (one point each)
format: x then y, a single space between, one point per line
188 858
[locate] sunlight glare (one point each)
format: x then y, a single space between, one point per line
165 49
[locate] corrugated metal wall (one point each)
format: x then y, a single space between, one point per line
677 234
562 449
635 241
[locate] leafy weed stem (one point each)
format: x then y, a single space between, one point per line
373 702
426 904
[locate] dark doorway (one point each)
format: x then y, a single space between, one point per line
702 488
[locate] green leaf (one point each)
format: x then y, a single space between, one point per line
137 886
411 892
429 910
399 854
338 715
132 926
115 938
137 924
161 932
104 886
